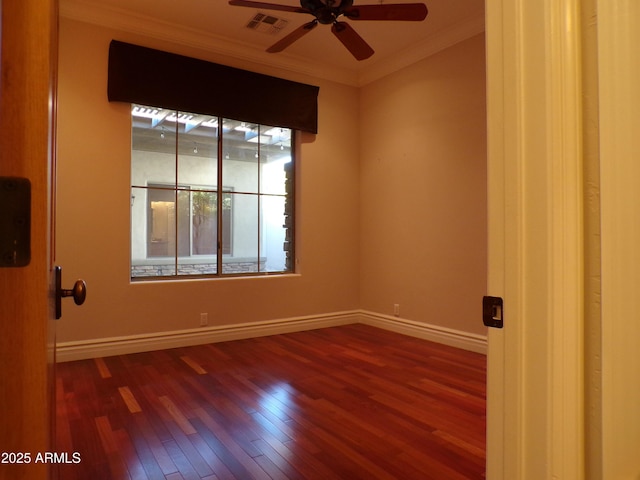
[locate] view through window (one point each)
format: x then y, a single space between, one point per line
209 196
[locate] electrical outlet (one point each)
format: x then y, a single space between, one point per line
204 319
396 309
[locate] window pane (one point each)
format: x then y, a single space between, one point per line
197 150
168 227
153 232
227 209
275 158
275 243
240 162
153 147
139 266
161 238
202 207
244 241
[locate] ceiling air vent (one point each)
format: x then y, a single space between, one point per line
261 22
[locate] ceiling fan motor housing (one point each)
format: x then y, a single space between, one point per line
325 11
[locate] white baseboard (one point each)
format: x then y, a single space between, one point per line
447 336
105 347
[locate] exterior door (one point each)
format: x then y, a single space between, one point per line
28 43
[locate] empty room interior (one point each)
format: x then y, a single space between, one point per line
390 232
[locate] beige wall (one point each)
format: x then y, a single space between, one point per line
93 212
397 217
423 190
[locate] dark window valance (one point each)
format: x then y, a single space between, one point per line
161 79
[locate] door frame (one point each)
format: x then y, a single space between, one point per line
535 384
563 250
619 121
28 46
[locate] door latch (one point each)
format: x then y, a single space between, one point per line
492 312
15 222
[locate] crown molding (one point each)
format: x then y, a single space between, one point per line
429 46
238 54
235 53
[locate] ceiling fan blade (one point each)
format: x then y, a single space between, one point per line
298 33
350 39
267 6
411 12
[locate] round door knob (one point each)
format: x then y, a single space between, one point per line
78 292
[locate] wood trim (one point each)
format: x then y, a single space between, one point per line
566 243
446 336
498 53
104 347
619 72
435 43
535 382
79 350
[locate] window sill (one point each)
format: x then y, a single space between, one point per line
215 278
195 260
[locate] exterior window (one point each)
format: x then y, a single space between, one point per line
182 223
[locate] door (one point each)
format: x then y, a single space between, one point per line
28 39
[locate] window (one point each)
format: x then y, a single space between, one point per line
209 196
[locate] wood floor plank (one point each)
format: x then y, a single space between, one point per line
149 454
185 468
102 368
129 399
193 364
351 402
127 451
175 476
237 467
177 415
302 462
213 460
187 445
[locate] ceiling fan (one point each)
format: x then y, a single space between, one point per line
328 12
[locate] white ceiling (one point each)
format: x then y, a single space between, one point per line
216 26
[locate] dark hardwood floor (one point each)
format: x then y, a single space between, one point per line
351 402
